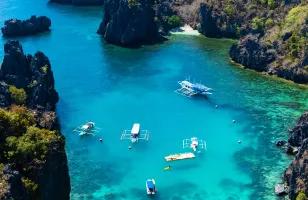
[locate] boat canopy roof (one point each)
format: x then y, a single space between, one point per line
150 184
135 129
187 83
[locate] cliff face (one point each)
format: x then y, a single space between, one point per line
80 2
296 176
129 22
32 151
273 34
32 73
16 27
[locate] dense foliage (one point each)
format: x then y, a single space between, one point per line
23 144
18 96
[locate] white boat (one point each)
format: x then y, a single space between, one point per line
88 128
135 134
194 143
189 89
150 186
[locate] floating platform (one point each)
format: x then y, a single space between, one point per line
180 156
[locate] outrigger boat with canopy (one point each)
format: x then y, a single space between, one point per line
88 128
194 143
189 89
135 134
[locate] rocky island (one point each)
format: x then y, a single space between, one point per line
34 25
129 23
33 163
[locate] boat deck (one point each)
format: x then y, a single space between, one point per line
179 156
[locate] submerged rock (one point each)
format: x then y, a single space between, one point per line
80 2
129 23
16 27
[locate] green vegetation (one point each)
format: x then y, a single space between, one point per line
301 196
132 3
44 69
229 9
269 23
270 3
295 44
18 96
174 21
24 145
32 84
258 23
30 186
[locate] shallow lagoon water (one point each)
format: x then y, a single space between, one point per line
116 87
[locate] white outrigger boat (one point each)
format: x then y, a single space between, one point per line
194 143
88 128
150 186
189 89
135 134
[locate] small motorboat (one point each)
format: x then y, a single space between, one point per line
150 186
194 143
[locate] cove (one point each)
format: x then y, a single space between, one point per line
116 87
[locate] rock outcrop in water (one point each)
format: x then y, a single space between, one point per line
32 73
129 23
33 163
34 25
80 2
296 176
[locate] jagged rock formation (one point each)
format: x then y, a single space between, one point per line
250 52
129 22
32 73
16 27
296 176
36 170
80 2
278 29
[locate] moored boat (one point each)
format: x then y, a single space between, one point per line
150 186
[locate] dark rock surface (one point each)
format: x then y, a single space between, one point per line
32 73
250 53
80 2
300 132
16 27
15 189
296 176
129 25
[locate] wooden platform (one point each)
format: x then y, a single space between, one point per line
179 156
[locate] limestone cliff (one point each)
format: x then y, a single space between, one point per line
33 163
129 22
296 176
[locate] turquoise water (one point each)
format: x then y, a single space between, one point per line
116 87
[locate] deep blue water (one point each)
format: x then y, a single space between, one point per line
116 87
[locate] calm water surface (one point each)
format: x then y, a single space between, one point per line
116 87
